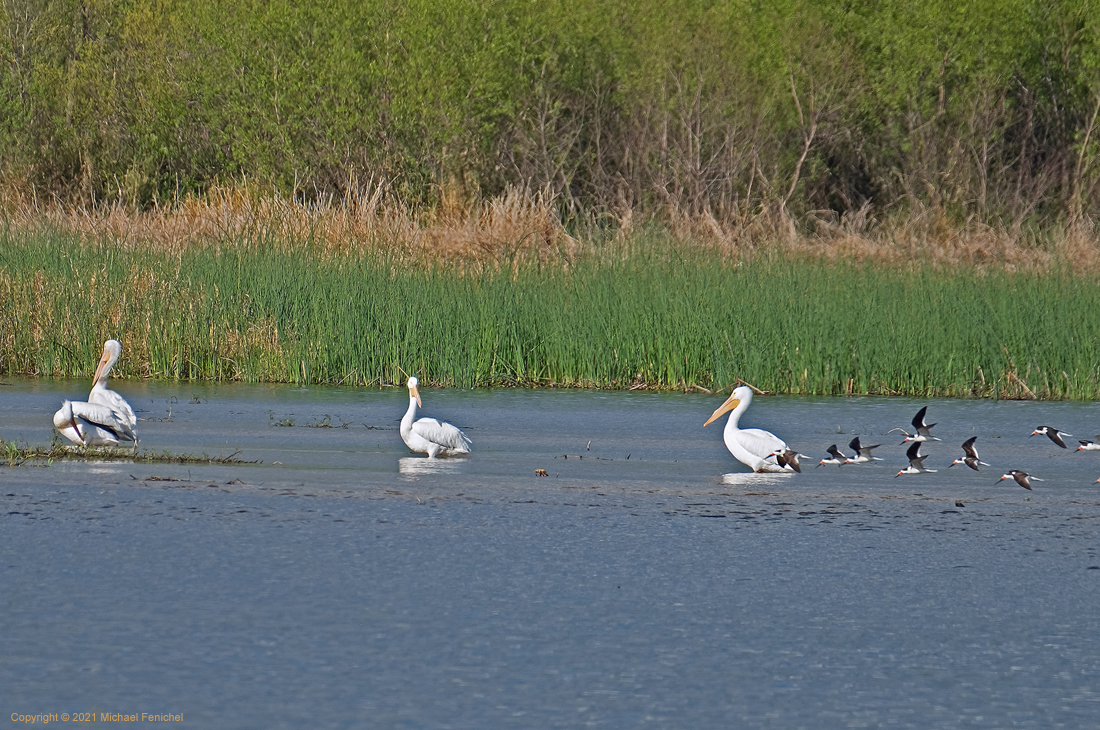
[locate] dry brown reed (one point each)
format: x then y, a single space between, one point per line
516 227
524 227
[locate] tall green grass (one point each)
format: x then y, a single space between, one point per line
256 312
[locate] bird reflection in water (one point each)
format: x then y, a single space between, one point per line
753 479
419 466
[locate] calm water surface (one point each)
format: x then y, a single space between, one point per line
341 582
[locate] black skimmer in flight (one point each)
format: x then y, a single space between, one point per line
970 457
916 461
1021 478
835 457
923 430
788 457
1054 434
1090 445
863 453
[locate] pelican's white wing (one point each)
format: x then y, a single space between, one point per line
754 448
85 433
92 424
102 396
105 418
761 442
443 434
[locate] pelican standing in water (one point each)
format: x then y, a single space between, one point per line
92 424
753 447
101 395
429 435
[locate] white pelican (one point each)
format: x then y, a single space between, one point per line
100 395
916 461
970 455
863 453
92 424
1021 477
1054 434
923 431
753 447
429 435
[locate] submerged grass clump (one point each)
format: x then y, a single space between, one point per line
252 310
16 455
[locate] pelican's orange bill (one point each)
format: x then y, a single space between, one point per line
731 403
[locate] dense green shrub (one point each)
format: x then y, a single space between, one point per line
982 109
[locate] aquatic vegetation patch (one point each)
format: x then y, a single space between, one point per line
21 454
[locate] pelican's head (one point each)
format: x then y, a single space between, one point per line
112 350
64 417
413 391
740 394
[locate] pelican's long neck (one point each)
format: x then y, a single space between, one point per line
735 415
108 361
410 415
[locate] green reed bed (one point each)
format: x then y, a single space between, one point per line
256 312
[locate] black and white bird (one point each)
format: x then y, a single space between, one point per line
1021 477
863 453
788 457
835 457
1054 434
1089 445
916 461
970 455
923 431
